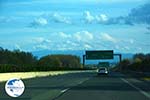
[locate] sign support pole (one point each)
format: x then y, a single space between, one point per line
120 57
83 60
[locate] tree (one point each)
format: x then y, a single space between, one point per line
16 60
124 64
140 56
48 63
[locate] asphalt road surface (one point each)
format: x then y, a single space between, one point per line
115 86
84 86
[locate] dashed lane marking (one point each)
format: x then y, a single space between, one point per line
63 91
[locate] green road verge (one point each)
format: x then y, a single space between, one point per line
146 78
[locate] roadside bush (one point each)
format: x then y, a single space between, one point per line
59 62
141 63
48 63
20 61
69 61
8 68
146 65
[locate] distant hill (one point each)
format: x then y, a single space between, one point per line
79 53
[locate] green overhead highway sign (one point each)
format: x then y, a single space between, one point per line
101 54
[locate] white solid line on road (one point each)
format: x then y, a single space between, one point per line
83 81
141 91
62 91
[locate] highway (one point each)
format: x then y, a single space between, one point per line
84 86
112 87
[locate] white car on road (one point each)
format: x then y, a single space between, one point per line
102 70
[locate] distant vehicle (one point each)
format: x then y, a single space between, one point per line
102 71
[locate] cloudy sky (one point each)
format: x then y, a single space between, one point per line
31 25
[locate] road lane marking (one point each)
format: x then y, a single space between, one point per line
63 91
83 81
141 91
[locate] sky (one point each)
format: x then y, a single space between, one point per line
34 25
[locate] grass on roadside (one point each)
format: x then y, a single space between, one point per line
27 75
147 78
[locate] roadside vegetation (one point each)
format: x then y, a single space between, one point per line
28 75
20 61
139 63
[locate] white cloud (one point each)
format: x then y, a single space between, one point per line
40 46
41 40
17 47
83 36
128 41
87 46
88 35
88 17
78 40
101 18
61 19
82 40
78 36
139 49
39 22
38 39
108 37
71 43
64 35
127 48
124 48
131 41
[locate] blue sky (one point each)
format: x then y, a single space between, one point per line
32 25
